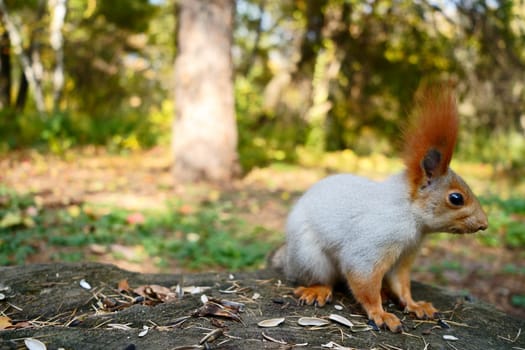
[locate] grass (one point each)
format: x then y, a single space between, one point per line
201 237
208 235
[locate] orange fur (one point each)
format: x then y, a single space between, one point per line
435 127
367 291
318 293
399 281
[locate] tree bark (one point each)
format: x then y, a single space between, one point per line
21 96
204 129
5 71
46 302
16 42
58 10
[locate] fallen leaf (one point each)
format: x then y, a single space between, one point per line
221 308
74 210
32 211
156 292
186 209
123 285
23 324
11 219
135 218
5 322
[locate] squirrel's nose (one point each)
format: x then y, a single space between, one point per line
483 225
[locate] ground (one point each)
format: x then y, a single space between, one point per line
261 198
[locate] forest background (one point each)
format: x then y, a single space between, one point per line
87 108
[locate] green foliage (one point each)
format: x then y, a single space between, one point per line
207 237
132 15
506 222
504 150
518 300
263 138
328 75
61 131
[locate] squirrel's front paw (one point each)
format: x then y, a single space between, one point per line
318 294
423 310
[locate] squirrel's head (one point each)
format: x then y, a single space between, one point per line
443 200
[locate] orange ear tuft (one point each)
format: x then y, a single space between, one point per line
432 133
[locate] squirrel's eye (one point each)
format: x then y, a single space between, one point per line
456 198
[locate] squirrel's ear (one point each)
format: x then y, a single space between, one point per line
431 163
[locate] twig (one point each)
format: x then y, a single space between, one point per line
511 340
15 307
267 337
452 346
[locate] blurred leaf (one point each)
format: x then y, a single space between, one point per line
11 218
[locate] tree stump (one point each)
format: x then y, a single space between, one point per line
48 303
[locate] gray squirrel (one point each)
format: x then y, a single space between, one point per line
349 228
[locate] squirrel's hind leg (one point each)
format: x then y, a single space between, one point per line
311 267
318 294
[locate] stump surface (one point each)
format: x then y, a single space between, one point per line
46 302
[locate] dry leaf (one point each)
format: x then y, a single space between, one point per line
212 308
23 324
186 209
5 322
156 292
123 285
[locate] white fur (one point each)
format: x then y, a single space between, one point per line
347 224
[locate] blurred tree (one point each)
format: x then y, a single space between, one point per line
319 74
58 9
30 61
5 71
205 133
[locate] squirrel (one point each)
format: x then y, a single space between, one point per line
349 228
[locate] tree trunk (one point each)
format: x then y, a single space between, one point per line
5 71
21 96
58 10
326 69
16 42
205 133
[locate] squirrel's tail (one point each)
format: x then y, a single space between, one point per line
277 258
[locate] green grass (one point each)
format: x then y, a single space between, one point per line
206 237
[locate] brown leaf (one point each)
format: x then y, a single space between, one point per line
5 322
23 324
186 209
156 292
123 286
218 310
